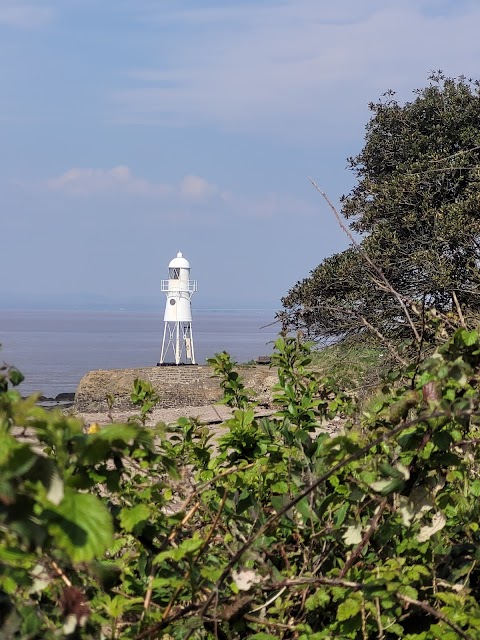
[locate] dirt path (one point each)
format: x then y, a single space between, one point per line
211 414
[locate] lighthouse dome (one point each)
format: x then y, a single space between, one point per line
179 262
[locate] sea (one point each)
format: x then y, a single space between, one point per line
55 349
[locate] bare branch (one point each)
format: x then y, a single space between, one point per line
459 309
386 437
433 612
367 258
365 539
389 346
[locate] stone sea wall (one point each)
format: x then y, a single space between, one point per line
182 386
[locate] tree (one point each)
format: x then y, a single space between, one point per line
417 208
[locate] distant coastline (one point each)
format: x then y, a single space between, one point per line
93 302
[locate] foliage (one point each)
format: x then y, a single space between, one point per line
416 205
234 392
274 529
355 365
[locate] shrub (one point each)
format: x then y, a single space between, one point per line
274 530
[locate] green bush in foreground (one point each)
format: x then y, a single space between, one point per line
274 530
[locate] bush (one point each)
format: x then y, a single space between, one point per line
274 530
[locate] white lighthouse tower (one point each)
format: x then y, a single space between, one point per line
177 334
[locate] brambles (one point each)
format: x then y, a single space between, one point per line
276 530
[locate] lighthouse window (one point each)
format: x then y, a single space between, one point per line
172 301
174 274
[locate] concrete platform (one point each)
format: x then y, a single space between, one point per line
176 386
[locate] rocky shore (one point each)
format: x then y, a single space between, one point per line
62 400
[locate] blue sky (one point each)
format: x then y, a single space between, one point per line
132 129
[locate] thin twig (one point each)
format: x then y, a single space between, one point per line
367 258
190 569
433 612
60 573
156 628
269 602
266 623
457 153
386 342
365 539
364 621
148 595
213 527
349 459
318 579
381 634
184 521
459 309
359 586
219 476
170 538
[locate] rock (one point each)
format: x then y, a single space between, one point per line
61 397
176 386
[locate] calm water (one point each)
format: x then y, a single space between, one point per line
54 349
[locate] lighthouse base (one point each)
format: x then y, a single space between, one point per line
178 341
174 364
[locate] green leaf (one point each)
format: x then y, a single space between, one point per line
398 630
119 604
106 572
475 488
20 462
16 377
210 573
245 501
341 514
389 485
278 502
123 432
31 622
186 548
347 609
81 525
131 517
279 487
317 600
191 545
469 338
353 534
7 492
305 510
442 440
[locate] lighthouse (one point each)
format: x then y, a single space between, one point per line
177 333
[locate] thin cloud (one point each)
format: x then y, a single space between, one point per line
23 15
197 189
293 65
115 181
191 190
120 180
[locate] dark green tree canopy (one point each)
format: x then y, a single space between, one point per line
417 207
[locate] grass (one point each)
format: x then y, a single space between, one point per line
355 366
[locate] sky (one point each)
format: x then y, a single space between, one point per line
134 129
